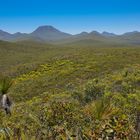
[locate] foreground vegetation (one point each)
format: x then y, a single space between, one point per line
71 92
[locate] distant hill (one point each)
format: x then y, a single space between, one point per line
49 33
52 35
42 33
107 34
131 37
5 35
83 38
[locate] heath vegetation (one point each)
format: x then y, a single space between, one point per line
70 92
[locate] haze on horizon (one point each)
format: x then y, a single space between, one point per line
72 16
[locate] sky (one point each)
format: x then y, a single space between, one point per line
72 16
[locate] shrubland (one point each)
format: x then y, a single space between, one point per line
71 92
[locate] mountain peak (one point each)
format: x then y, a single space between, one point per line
4 33
94 33
82 34
49 33
46 28
107 34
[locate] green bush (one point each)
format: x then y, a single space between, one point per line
5 84
93 90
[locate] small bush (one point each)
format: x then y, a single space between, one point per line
5 84
93 90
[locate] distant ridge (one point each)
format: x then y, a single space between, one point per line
50 34
43 33
107 34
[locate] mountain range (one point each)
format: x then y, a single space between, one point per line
53 35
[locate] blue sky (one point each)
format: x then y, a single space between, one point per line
72 16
